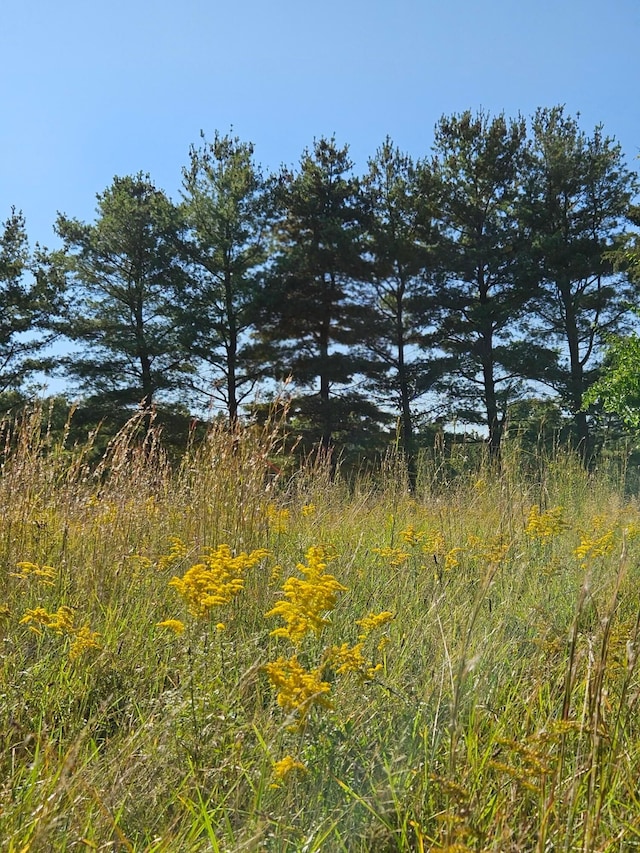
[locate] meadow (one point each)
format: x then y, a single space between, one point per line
202 656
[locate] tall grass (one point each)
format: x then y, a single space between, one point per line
494 707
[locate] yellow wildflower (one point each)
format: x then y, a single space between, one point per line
307 599
84 639
61 622
286 766
216 580
278 518
544 525
308 509
298 688
632 530
396 556
412 536
595 546
174 625
44 573
372 621
275 575
350 659
451 559
177 553
434 543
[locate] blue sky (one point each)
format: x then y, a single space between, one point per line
95 89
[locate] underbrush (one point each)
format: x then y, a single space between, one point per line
214 658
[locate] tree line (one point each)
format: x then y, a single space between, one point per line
490 270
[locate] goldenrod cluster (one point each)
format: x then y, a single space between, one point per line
452 559
278 518
347 659
283 768
297 688
544 525
177 552
395 556
591 547
307 599
372 621
174 625
45 574
216 580
412 536
62 622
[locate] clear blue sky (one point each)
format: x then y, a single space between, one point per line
105 87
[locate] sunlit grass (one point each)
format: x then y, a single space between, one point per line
208 659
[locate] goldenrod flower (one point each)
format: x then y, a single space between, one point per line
286 766
412 536
451 559
278 518
595 546
174 625
177 553
350 659
298 688
216 580
85 639
372 621
43 573
396 556
61 622
307 599
308 509
544 525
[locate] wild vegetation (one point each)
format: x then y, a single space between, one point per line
213 656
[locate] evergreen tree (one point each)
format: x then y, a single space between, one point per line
480 163
126 286
226 204
578 197
30 294
402 241
312 321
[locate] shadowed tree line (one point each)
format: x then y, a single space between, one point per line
452 287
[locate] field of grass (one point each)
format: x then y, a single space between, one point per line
205 658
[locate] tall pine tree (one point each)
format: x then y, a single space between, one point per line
578 197
126 285
226 207
402 244
313 320
480 162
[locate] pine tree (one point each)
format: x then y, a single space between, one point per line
126 284
312 319
226 208
578 198
481 164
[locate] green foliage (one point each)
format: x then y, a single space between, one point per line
479 672
401 241
226 205
481 166
312 320
577 199
30 297
125 281
618 388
